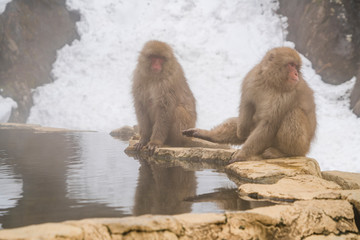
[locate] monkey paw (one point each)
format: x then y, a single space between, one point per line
191 132
238 156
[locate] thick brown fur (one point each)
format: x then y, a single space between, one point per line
163 101
276 115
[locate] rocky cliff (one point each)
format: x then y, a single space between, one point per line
31 31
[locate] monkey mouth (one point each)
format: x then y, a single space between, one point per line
156 70
294 79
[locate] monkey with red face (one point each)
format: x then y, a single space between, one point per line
164 103
276 115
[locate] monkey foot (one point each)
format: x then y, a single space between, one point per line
151 147
138 146
191 132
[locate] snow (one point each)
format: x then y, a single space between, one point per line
6 106
3 5
216 42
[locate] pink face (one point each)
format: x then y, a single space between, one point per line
293 73
156 63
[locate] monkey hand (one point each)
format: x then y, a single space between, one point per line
238 156
191 132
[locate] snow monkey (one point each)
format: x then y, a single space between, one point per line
276 115
164 103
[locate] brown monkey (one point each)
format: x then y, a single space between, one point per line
163 101
277 111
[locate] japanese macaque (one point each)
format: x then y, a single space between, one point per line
276 115
164 103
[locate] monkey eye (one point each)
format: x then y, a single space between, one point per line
156 56
293 65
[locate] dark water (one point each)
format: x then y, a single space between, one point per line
52 177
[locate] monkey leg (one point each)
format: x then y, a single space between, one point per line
183 119
272 152
293 137
223 133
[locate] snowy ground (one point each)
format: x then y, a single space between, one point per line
217 43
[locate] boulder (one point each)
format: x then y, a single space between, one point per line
293 221
271 170
350 236
213 153
311 218
124 133
300 187
49 231
346 180
36 128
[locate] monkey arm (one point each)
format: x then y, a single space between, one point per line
144 123
245 121
162 124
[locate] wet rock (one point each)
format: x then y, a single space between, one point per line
303 187
293 221
43 231
220 156
353 197
350 236
124 133
307 218
250 226
346 180
36 128
147 223
270 171
91 229
203 226
214 154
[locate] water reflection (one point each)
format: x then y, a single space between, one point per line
41 159
100 172
162 189
10 183
52 177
